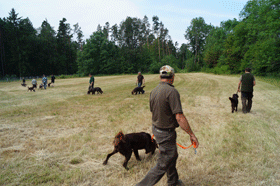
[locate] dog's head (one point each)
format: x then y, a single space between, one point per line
118 138
155 145
235 96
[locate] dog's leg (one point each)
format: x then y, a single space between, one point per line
127 158
109 155
136 154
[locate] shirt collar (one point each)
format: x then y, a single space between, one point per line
162 82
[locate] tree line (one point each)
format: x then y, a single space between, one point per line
140 45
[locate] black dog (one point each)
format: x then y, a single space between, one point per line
125 144
30 89
23 84
41 86
49 84
138 90
234 102
93 90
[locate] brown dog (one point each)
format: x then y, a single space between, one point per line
138 90
30 89
234 102
125 144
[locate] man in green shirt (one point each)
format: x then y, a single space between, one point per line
167 115
91 81
247 82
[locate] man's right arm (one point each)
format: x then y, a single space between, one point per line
184 124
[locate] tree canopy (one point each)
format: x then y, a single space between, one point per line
139 45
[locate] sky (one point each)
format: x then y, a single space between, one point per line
176 15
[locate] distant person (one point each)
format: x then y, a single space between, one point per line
247 82
140 80
91 81
23 81
167 115
44 81
34 82
52 79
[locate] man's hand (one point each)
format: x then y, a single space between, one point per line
194 140
184 124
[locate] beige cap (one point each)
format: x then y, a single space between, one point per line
166 71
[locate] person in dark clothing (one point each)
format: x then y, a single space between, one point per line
247 82
23 81
140 80
52 79
91 81
167 115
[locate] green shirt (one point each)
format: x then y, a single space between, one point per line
91 79
165 103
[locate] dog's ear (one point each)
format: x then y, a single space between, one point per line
230 98
123 140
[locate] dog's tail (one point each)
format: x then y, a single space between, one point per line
143 86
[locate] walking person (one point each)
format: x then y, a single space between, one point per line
140 80
91 81
167 115
44 81
23 81
34 82
52 79
247 82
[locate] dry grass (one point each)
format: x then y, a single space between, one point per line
61 136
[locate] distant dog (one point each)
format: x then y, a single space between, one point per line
125 144
234 102
138 90
49 84
95 89
41 86
30 89
23 84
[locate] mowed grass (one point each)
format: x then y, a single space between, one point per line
61 136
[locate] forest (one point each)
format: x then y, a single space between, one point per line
141 45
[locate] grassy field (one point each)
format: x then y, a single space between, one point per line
61 136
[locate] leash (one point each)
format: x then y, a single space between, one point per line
183 147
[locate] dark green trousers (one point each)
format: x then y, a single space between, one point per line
166 162
246 98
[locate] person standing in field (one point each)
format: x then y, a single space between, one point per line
247 82
44 81
140 80
52 79
34 82
167 115
91 81
23 81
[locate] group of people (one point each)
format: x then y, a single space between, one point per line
44 81
139 82
167 115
